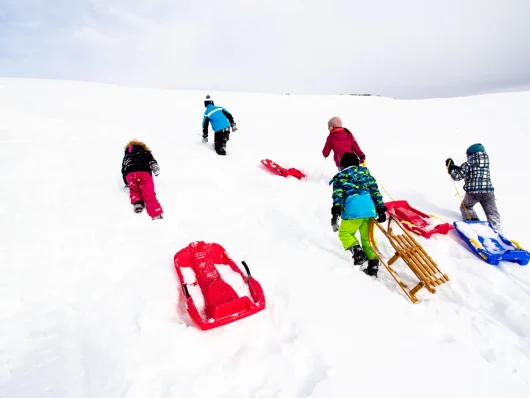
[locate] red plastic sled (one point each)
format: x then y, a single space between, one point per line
415 221
277 169
212 301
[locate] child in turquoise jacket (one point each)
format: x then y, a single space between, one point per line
356 199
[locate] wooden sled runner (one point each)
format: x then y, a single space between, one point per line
413 254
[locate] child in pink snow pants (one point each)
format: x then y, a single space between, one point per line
137 166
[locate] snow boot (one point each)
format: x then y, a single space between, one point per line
358 255
159 217
373 268
138 207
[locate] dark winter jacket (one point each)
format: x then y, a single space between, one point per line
137 157
475 172
357 193
341 140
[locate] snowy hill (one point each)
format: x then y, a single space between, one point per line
89 300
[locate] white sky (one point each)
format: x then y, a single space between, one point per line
404 49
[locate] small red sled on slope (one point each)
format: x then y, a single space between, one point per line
216 291
277 169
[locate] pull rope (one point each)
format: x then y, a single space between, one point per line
457 192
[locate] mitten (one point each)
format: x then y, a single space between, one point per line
335 223
234 127
204 139
336 210
381 214
450 164
156 169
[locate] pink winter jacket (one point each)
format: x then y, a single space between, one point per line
341 140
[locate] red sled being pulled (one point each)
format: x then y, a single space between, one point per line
215 289
277 169
415 221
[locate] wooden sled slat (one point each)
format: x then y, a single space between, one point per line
413 254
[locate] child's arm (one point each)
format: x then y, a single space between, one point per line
459 173
123 171
228 116
205 124
338 193
327 147
376 196
153 164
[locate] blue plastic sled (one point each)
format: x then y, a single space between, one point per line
490 245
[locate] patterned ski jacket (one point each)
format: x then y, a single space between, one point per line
356 191
219 117
475 172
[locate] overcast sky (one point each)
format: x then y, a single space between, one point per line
397 48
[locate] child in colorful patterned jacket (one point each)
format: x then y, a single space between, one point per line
477 183
356 199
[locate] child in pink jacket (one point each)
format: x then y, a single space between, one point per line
137 167
341 140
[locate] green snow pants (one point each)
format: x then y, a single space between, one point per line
347 231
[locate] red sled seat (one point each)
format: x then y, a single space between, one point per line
415 221
197 266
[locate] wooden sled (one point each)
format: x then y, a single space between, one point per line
413 254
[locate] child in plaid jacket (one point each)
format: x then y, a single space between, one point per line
477 183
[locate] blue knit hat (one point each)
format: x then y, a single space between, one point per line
475 148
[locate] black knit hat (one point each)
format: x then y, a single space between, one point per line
349 159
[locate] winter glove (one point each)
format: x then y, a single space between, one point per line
335 223
381 214
234 127
336 211
204 139
156 169
450 164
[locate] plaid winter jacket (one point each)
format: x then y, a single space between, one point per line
356 191
476 172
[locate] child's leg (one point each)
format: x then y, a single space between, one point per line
347 231
489 205
219 142
364 228
134 182
148 192
466 208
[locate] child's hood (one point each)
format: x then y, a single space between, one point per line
133 143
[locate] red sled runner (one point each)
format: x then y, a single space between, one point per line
415 221
277 169
216 290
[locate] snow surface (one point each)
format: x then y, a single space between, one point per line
234 279
474 230
89 300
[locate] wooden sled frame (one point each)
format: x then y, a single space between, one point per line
413 254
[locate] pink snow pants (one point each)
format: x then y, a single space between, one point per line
142 188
